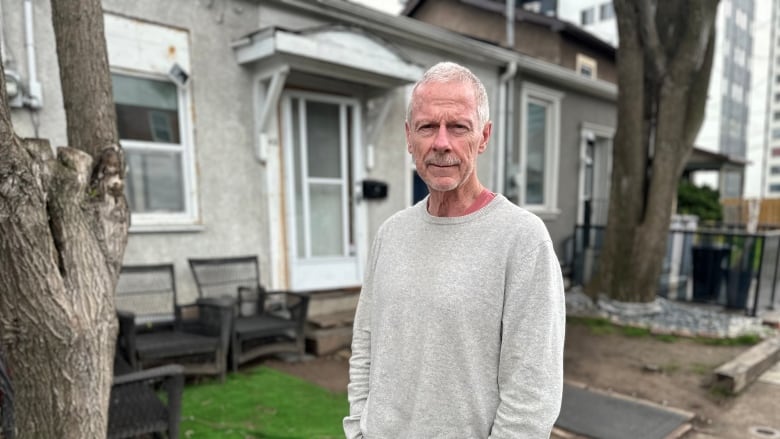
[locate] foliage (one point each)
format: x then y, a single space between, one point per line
701 201
262 403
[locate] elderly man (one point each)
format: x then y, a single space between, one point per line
460 326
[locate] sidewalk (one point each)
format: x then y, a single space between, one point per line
753 414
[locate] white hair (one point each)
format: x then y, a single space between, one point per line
452 72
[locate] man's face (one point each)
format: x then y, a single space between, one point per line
443 134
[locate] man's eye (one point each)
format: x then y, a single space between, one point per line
460 129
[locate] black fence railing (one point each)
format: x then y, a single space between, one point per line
727 267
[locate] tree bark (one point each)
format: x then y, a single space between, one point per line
63 230
664 61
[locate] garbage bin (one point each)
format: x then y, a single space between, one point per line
710 267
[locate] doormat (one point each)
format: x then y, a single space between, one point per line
600 415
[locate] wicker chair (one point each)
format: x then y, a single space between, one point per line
134 406
154 329
265 322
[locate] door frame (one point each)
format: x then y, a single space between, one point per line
359 211
589 132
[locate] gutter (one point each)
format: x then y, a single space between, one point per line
505 105
420 33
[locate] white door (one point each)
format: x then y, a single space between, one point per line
325 221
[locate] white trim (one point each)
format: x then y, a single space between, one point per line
551 100
190 214
335 276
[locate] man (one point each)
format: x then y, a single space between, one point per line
460 325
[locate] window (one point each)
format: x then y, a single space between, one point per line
775 152
587 16
777 97
536 173
736 92
776 133
154 122
774 170
776 116
147 113
586 66
774 188
606 11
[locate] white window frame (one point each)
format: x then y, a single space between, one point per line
551 99
169 221
586 61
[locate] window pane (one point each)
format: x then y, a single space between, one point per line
535 156
327 232
146 109
154 181
324 140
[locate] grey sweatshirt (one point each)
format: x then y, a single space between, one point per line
459 329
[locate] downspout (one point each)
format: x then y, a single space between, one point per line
35 98
505 104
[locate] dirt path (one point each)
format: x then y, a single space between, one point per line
670 373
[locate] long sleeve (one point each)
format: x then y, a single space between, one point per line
530 373
360 361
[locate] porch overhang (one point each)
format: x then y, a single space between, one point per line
340 53
705 160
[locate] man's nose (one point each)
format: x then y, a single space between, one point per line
442 140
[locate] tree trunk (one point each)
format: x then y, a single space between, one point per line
63 230
664 61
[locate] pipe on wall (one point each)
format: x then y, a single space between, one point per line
35 93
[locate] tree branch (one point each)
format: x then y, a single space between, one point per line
694 40
649 32
83 61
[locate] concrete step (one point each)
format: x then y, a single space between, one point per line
746 367
330 302
324 341
329 333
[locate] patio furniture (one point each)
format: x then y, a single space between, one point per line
154 329
134 406
265 322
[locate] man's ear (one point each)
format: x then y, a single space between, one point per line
408 134
487 130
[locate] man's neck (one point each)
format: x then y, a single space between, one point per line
455 202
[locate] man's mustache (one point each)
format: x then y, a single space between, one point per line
441 160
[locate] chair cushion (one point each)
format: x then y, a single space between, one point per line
262 325
167 344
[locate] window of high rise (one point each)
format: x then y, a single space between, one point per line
606 11
587 16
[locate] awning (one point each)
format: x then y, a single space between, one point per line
335 52
705 160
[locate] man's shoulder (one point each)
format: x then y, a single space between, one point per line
404 218
517 218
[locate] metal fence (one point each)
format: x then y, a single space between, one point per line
731 268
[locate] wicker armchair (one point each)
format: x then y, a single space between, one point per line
134 406
154 329
265 322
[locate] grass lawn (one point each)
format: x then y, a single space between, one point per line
261 403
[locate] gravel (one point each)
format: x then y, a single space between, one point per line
663 316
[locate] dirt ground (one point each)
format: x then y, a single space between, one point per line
668 373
